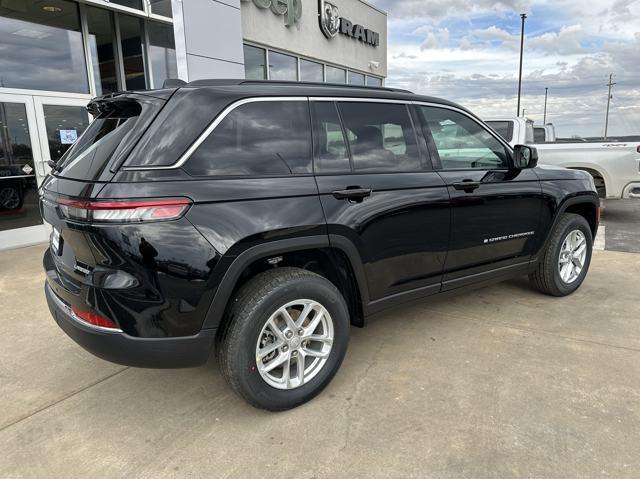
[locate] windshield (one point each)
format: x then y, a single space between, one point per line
111 135
503 128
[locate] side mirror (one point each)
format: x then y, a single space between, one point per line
524 157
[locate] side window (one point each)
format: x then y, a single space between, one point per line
538 135
503 128
381 137
257 139
331 154
463 143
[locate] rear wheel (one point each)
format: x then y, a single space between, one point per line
285 338
566 260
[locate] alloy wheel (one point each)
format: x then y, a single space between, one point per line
573 255
294 344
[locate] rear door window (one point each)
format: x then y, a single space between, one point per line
381 137
331 153
265 138
538 135
503 128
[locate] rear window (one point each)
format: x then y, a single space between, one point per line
503 128
111 135
267 138
538 135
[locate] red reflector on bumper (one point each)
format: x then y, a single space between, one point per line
94 319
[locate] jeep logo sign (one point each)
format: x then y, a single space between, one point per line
331 23
291 9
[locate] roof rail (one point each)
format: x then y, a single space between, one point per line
320 84
233 82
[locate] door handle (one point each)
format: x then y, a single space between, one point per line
355 194
468 186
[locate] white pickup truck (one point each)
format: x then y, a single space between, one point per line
614 165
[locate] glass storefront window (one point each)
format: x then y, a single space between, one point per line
162 53
161 7
18 187
254 63
102 46
137 4
131 41
335 75
311 71
356 78
282 67
374 81
42 49
64 125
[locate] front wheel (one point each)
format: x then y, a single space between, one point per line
566 260
285 338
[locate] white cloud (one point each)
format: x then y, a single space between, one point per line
570 47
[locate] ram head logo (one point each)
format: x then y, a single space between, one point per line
329 19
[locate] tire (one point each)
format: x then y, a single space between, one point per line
254 305
547 277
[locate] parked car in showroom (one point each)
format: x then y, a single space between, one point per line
258 221
614 164
12 186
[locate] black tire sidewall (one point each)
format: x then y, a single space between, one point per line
249 379
575 223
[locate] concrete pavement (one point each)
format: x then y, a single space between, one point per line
501 382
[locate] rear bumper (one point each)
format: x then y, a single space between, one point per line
118 347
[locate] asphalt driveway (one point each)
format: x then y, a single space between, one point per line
501 382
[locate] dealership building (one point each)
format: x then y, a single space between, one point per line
57 54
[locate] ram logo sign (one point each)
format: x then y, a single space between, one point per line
331 23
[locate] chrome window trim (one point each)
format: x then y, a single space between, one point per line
212 126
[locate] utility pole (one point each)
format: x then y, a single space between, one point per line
606 118
544 120
523 16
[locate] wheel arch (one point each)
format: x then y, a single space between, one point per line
595 173
585 205
339 263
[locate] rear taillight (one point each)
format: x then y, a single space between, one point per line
94 319
123 211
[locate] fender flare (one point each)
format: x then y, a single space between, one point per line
231 276
590 198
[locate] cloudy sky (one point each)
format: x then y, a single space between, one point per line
468 51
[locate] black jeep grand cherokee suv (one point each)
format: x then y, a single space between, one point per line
259 220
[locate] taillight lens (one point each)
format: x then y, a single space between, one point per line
94 319
123 211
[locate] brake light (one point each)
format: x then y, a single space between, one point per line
94 319
599 214
123 211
